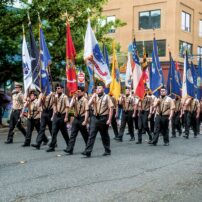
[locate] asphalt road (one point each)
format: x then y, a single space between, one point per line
132 173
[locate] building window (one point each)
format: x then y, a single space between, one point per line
150 19
108 19
111 19
200 28
186 21
183 46
148 45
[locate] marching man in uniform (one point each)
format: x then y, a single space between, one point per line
100 121
129 104
164 112
60 117
80 104
18 102
46 102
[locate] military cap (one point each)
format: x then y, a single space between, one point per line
17 84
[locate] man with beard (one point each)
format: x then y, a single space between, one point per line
164 111
18 102
176 122
129 103
81 109
60 117
100 121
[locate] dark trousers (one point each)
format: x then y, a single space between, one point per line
98 124
135 120
187 122
176 124
194 123
45 120
114 124
143 125
15 122
59 124
127 117
152 123
31 124
161 126
76 127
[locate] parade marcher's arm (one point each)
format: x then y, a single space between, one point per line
72 101
135 109
40 100
198 111
86 118
110 115
172 109
92 99
23 109
66 110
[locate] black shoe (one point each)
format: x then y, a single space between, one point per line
150 142
153 144
50 150
173 136
118 139
106 154
26 145
132 139
139 142
9 142
87 154
185 136
36 146
166 144
68 151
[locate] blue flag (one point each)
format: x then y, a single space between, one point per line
35 63
194 74
199 80
174 84
106 58
91 81
188 80
156 73
45 59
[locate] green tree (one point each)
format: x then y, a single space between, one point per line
53 24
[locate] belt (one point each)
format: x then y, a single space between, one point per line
58 114
16 110
127 111
47 110
100 116
79 117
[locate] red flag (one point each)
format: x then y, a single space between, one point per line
70 62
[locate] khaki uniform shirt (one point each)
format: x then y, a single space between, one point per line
177 105
165 105
194 105
61 103
34 111
102 105
144 105
186 104
18 101
48 101
128 103
201 106
80 106
114 101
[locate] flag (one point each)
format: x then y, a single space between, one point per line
138 76
45 61
188 81
193 71
106 58
34 59
178 72
94 57
199 80
115 86
70 61
26 62
145 66
91 81
128 71
173 85
156 79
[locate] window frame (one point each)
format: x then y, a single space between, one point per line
184 26
150 19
